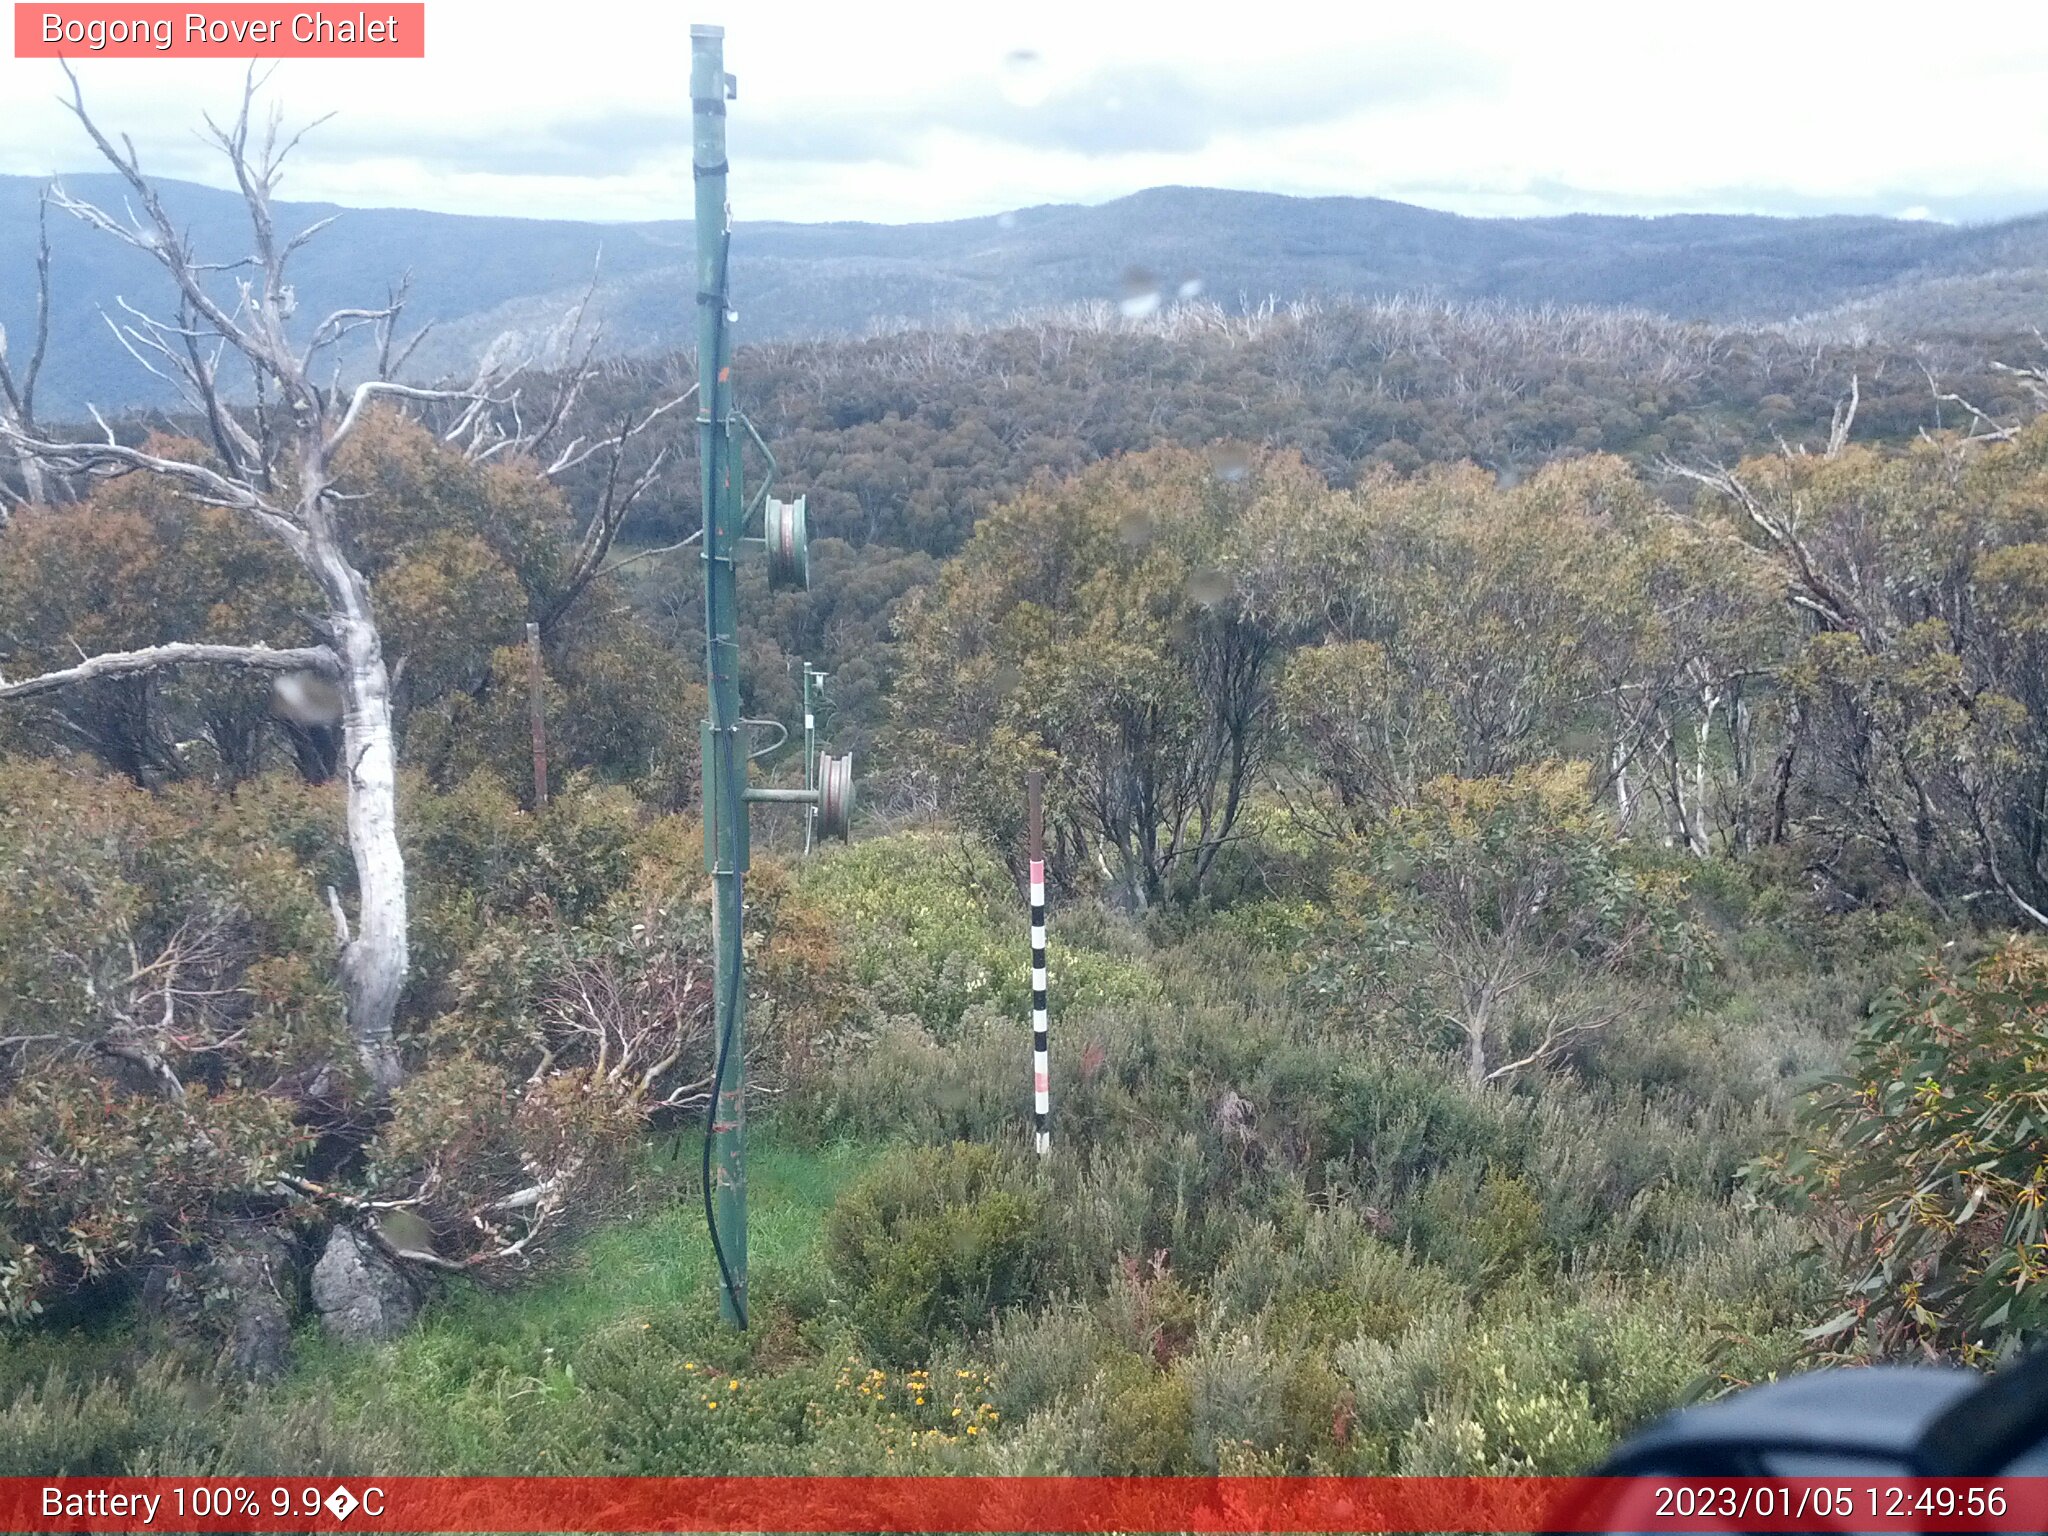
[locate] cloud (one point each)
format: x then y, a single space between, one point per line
830 138
1127 109
1158 108
1514 196
1140 108
585 145
924 110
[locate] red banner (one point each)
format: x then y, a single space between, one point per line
234 31
1019 1504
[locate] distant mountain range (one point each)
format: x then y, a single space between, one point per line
479 278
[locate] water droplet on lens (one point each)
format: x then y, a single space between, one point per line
1190 287
1140 295
1136 530
1006 221
307 698
1229 462
1024 78
1209 587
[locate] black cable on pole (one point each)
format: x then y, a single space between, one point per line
731 1000
739 1302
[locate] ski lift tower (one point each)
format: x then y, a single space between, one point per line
786 535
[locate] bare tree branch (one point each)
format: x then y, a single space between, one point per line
652 554
202 482
604 528
21 391
572 456
156 658
372 389
1809 589
160 239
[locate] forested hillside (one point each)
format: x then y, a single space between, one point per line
483 279
1527 790
903 443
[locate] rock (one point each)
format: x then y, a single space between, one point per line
254 1275
361 1295
171 1292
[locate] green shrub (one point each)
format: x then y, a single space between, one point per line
167 987
1145 1420
1481 1223
933 1242
1149 1310
1394 1382
1334 1280
1926 1152
1532 1430
901 1082
936 930
163 1420
97 1427
1047 1356
1236 1386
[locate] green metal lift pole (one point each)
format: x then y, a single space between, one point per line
724 762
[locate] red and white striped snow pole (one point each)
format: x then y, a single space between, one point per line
1041 1055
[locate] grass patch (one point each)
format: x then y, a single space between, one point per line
488 1382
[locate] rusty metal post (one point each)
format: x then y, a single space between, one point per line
536 709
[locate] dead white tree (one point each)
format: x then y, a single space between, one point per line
274 462
276 468
18 381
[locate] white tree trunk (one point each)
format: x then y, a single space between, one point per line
1474 1024
1710 701
375 958
34 482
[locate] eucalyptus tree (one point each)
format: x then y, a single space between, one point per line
1099 627
1917 744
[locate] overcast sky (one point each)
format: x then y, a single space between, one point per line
900 112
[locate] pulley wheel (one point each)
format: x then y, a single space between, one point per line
786 528
835 795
